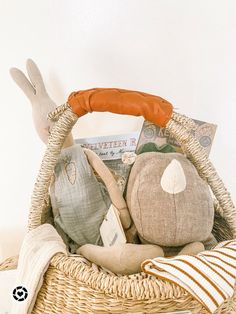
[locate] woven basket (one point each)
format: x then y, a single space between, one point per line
74 285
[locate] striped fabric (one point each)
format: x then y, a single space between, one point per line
208 276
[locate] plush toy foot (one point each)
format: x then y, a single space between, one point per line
210 242
122 259
192 248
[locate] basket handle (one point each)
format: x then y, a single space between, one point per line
154 109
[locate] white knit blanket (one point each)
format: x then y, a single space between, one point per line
208 276
38 247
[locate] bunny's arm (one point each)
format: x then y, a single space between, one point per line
111 185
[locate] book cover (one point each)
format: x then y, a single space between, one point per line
150 132
110 149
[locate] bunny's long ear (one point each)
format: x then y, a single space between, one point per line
35 77
22 81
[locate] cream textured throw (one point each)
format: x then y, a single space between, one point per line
209 276
38 248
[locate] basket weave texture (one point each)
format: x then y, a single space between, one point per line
74 285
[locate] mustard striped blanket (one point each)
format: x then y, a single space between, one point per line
208 276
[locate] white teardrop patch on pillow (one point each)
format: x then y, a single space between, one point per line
173 180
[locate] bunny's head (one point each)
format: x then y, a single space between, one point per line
36 92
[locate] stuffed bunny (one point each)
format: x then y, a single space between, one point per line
79 201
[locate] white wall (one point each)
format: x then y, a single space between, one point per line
182 50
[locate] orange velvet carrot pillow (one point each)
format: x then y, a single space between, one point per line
153 108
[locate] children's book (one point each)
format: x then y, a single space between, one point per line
110 149
150 132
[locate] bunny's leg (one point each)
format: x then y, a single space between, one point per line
210 242
122 259
192 248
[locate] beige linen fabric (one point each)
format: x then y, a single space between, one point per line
163 218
